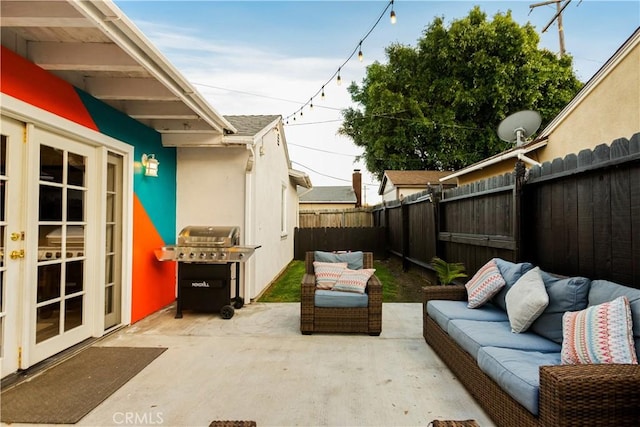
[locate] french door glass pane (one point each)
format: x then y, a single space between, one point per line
108 300
50 203
3 154
74 277
51 164
75 205
2 196
48 323
76 169
49 277
73 312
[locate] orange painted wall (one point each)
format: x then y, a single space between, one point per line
25 81
154 281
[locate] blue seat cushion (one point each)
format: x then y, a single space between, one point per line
354 260
336 299
565 294
473 334
517 372
511 272
444 310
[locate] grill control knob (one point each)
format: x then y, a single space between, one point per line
192 255
240 255
203 255
181 255
223 255
213 255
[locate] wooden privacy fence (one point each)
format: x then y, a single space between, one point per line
355 217
574 216
367 239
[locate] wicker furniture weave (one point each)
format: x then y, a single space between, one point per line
570 395
321 319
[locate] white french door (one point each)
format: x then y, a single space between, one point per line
12 244
65 234
62 222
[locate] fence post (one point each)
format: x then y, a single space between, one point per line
519 172
405 235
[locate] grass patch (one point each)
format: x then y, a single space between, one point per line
287 287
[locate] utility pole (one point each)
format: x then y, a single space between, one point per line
560 6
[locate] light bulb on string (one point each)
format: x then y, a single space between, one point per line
311 103
322 94
392 15
338 79
360 55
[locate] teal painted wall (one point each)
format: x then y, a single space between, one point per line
157 195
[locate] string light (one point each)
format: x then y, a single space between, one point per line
392 15
358 50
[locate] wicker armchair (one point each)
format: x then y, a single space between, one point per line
320 319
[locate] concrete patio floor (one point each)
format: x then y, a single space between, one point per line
257 366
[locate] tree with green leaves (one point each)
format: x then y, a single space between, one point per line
437 106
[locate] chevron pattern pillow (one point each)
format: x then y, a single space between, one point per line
599 334
327 273
354 280
484 285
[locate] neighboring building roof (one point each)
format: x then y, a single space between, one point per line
412 178
541 139
344 194
600 75
251 125
95 47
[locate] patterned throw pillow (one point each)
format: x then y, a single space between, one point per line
484 284
599 334
327 273
354 280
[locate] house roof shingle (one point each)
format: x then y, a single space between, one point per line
344 194
250 125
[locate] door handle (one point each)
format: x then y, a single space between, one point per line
17 254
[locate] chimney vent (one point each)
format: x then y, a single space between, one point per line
357 186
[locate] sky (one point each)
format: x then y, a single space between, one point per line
273 57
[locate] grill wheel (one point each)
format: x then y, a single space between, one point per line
227 312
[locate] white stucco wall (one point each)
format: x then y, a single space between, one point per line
213 188
210 186
271 175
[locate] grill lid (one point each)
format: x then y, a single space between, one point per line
208 236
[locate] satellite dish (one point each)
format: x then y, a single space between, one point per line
519 126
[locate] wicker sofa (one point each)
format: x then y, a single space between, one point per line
340 319
568 395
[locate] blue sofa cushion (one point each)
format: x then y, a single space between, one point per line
354 260
605 291
565 294
511 272
336 299
443 310
517 372
473 334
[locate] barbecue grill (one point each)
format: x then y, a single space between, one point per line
206 257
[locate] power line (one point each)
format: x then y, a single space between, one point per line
324 151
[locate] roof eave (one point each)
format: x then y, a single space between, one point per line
109 18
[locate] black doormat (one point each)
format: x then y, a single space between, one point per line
66 392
